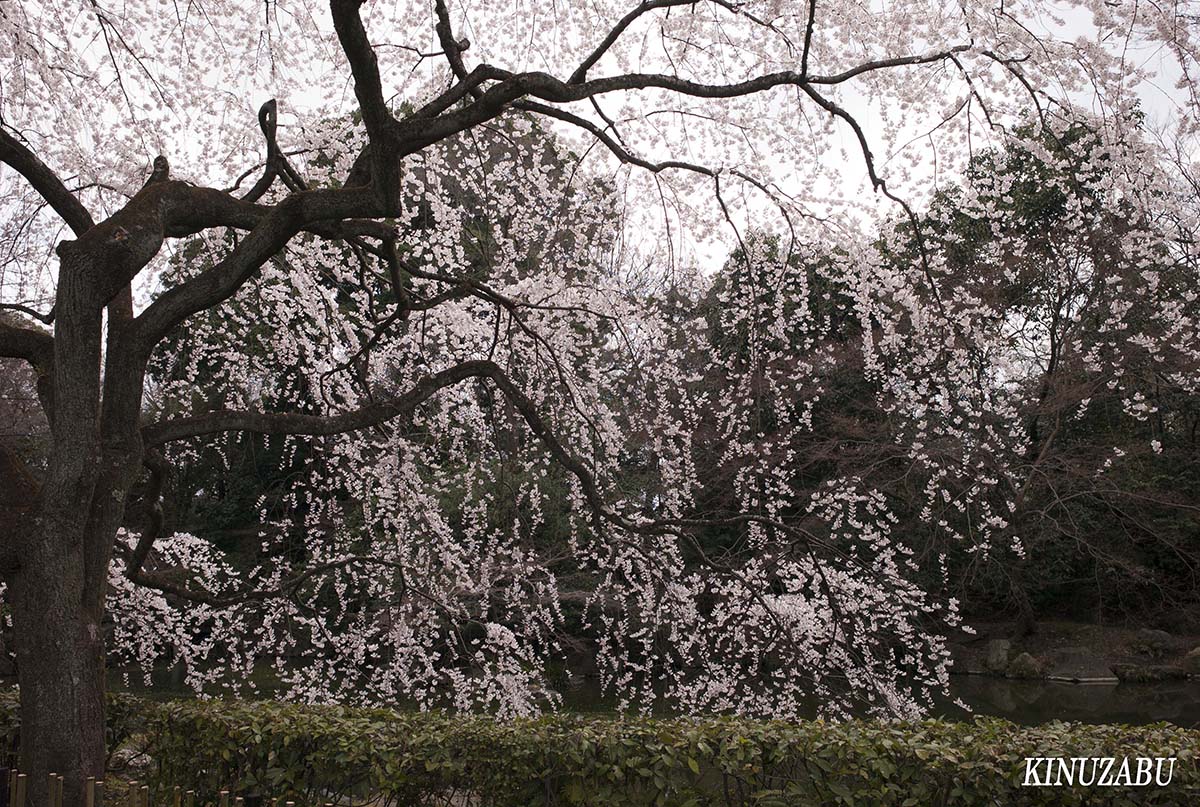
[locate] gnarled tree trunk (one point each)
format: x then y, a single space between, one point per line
60 661
59 570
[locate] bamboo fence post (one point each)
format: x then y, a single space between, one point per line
177 797
89 792
224 798
145 796
100 793
189 798
21 786
131 794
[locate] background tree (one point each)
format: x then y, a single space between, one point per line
1086 297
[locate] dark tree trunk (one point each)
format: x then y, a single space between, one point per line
58 590
60 663
1026 624
60 578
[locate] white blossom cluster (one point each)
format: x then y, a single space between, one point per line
648 398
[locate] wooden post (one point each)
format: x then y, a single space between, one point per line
89 792
100 793
21 786
145 795
189 799
131 794
224 798
177 799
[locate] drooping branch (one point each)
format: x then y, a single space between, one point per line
878 183
611 143
615 33
885 64
403 406
45 319
17 155
418 131
294 423
181 591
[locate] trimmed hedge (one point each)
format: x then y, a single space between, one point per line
318 753
312 752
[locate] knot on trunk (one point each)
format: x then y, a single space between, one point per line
161 172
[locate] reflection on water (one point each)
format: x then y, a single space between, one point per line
1029 702
1032 702
1026 702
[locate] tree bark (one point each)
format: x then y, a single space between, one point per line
60 664
60 576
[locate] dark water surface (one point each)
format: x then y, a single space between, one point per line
1025 702
1033 702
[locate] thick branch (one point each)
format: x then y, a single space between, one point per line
550 88
452 47
274 423
267 122
417 132
45 182
19 342
883 64
288 423
368 87
301 210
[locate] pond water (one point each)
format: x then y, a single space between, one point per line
1025 702
1033 702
